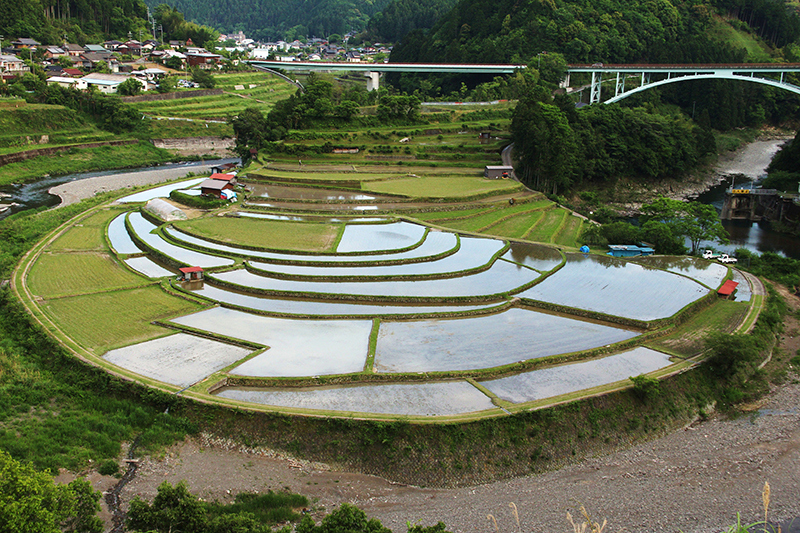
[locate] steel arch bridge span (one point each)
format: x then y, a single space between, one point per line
651 76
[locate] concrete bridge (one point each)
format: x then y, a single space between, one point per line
628 79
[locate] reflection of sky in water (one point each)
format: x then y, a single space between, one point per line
486 341
421 399
502 277
296 347
743 292
149 268
301 218
708 273
159 192
277 192
609 285
435 243
536 256
178 359
473 253
379 237
142 228
120 239
305 307
565 379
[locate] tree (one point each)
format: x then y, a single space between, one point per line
203 78
347 519
129 87
250 128
30 501
544 142
693 220
174 62
173 509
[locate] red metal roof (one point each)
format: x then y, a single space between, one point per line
223 177
187 270
728 287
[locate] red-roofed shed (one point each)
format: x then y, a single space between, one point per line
728 288
223 177
192 273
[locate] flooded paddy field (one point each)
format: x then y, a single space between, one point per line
436 243
611 286
286 192
743 291
160 192
142 228
119 237
502 277
549 382
296 347
708 273
148 267
328 308
178 359
473 254
536 256
486 341
410 399
304 218
380 237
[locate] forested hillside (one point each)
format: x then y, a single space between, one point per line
401 17
79 21
586 31
273 19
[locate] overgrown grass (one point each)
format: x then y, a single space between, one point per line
436 187
61 274
107 320
85 160
260 233
688 339
545 229
269 508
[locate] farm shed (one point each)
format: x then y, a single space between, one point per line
231 178
628 250
192 273
728 288
497 171
215 187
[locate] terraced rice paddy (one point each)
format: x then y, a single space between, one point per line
485 342
179 359
426 399
549 382
296 347
613 287
159 192
708 273
313 296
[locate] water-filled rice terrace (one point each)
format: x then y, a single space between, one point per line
369 316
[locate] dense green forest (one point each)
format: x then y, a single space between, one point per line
93 21
77 21
273 19
401 17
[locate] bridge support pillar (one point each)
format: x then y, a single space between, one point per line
373 81
597 83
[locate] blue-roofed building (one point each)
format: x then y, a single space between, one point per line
629 250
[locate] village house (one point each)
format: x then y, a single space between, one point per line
97 49
108 83
214 187
191 273
91 60
12 65
54 52
25 43
63 81
73 50
202 60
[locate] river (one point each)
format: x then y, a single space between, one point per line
37 193
748 165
